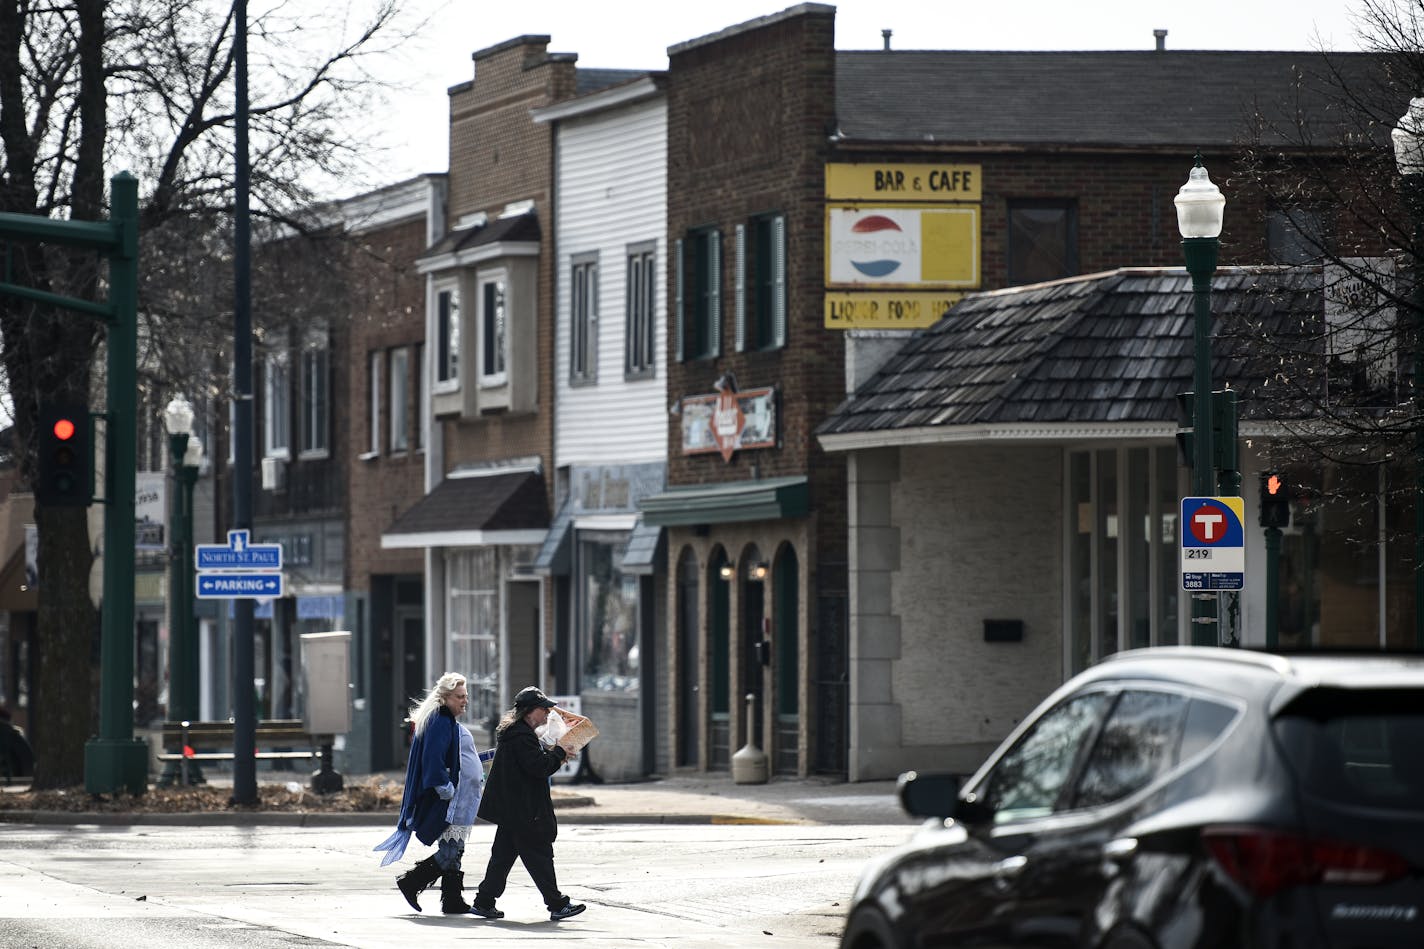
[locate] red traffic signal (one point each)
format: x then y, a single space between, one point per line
64 470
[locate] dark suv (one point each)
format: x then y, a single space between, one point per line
1174 798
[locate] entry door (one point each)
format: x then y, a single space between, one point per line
525 632
409 670
719 652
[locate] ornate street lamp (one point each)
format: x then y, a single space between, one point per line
1408 138
186 451
1200 207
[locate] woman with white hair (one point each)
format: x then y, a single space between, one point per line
442 788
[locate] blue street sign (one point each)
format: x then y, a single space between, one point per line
253 586
239 554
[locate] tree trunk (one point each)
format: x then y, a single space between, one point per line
66 640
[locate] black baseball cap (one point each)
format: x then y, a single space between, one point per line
533 697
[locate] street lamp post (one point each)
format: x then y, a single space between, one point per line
1408 138
186 451
1199 215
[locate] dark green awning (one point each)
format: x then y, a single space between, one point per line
768 499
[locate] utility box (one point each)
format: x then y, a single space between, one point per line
326 677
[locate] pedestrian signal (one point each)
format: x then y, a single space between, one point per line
1275 500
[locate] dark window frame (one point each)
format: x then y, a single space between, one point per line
1018 263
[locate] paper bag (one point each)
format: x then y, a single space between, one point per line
580 731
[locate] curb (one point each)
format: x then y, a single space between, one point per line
357 819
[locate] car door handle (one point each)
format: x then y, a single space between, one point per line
1120 849
1009 867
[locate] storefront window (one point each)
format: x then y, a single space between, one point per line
1080 559
1109 529
472 582
608 615
1122 551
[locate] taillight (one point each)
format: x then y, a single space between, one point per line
1266 861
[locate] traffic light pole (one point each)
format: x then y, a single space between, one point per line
115 760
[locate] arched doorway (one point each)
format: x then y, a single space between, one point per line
689 691
751 641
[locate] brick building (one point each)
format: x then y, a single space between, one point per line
824 205
386 466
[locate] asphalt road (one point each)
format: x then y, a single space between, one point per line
646 885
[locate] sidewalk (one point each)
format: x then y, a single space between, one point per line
713 798
701 798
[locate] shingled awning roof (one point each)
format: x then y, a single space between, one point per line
502 232
495 505
1188 98
1087 355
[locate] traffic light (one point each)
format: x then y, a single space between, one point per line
1223 429
1275 500
66 457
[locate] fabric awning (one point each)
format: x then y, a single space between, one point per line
475 509
766 499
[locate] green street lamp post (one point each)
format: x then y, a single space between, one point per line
1200 207
1408 138
186 450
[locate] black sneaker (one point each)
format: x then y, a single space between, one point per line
567 910
490 913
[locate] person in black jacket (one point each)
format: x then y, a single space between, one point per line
516 799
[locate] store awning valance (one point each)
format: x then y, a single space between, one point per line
766 499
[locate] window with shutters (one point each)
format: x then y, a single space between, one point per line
583 319
640 336
761 283
697 286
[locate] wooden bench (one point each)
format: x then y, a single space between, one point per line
276 739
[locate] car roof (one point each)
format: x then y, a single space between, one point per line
1282 676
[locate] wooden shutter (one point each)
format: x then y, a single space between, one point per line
740 289
679 298
778 278
714 294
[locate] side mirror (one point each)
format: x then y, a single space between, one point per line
928 795
937 795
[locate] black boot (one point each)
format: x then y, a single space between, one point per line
451 883
416 879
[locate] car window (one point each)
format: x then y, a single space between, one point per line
1027 781
1206 720
1357 747
1138 742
